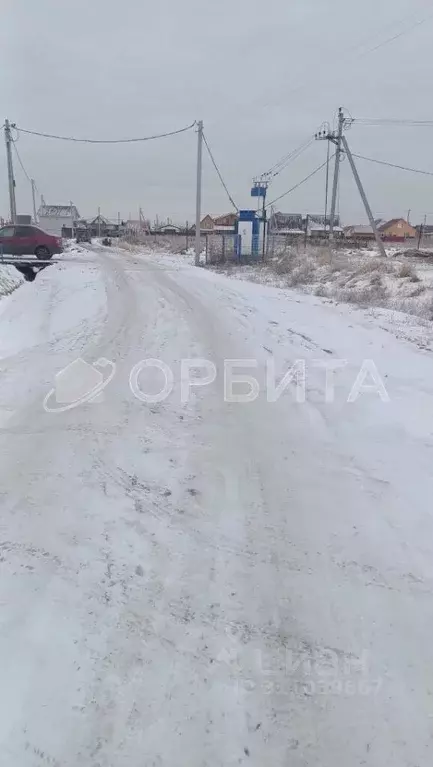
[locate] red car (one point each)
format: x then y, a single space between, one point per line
28 241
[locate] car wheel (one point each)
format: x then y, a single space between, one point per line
42 253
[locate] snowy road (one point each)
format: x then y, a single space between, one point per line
204 583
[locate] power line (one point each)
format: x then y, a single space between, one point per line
105 141
391 165
219 174
31 181
21 163
382 30
279 166
391 121
313 173
399 34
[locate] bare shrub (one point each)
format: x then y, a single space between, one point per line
370 294
320 291
126 245
336 266
417 291
407 270
302 273
376 280
375 265
283 265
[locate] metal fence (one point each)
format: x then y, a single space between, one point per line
221 248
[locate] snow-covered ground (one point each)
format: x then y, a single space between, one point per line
205 583
399 282
9 280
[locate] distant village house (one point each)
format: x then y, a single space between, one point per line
218 224
396 229
57 219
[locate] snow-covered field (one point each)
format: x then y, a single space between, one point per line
359 277
206 583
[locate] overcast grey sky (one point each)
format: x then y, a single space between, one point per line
262 76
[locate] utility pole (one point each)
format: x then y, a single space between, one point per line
72 219
307 221
99 222
198 192
264 220
364 198
408 216
327 185
421 231
35 215
11 180
336 171
187 235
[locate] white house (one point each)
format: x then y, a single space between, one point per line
52 218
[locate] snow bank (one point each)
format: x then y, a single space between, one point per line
10 279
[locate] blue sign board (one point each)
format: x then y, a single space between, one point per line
258 191
247 215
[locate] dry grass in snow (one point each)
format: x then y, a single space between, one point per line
359 277
10 279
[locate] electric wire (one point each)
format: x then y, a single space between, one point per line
282 163
398 35
21 162
104 141
219 173
392 165
376 33
310 175
23 168
391 121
